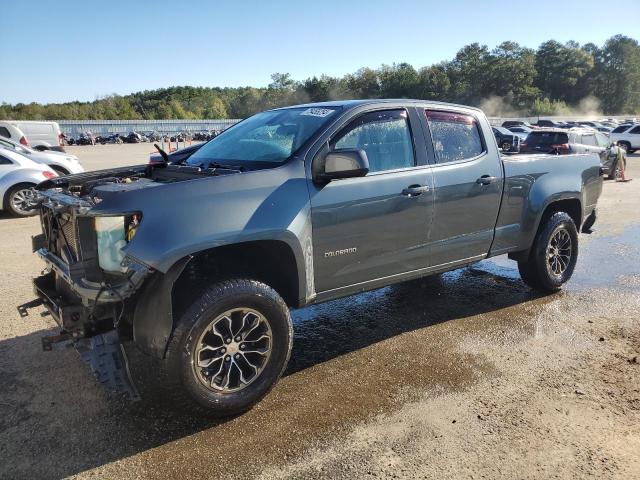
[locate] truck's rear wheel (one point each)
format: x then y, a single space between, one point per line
553 255
229 348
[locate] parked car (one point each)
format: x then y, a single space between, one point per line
576 140
547 124
517 123
40 135
560 141
629 139
62 163
199 263
507 141
18 176
522 132
10 131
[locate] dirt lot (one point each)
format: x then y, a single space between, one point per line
468 375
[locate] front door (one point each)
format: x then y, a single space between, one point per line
373 226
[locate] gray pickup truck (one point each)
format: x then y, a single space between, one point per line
196 263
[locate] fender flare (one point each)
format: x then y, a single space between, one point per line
153 314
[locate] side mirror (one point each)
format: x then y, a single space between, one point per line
343 163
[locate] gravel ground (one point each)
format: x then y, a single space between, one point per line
467 375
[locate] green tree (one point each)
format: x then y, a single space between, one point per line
618 75
564 71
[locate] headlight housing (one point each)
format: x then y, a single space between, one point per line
112 235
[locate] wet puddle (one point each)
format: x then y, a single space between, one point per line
604 261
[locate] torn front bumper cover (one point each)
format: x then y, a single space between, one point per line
98 292
72 315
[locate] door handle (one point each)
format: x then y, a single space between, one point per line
415 190
486 180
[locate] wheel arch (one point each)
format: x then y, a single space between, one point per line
570 205
166 296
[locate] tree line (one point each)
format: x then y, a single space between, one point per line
509 79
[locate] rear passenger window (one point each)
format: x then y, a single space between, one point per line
635 130
455 136
385 137
4 131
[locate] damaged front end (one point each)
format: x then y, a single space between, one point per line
88 283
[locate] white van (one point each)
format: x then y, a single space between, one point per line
38 135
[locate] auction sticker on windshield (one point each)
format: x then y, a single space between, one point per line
317 112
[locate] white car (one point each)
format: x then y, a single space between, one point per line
628 138
36 134
18 176
62 163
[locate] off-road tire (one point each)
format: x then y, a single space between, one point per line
534 270
184 390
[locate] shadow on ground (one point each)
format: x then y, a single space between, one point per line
55 421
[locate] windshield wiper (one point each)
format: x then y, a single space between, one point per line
228 167
164 154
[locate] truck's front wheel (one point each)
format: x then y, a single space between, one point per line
229 348
553 256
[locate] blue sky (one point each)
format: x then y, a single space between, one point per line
78 50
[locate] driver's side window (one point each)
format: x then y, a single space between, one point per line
384 135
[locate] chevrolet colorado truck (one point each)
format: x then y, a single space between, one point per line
197 263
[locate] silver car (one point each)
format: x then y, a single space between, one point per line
18 176
62 163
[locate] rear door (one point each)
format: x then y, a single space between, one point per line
371 227
468 180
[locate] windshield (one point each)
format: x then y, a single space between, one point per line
268 138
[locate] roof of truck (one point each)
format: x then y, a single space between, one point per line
373 101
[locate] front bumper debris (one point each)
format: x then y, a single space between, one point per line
107 359
95 291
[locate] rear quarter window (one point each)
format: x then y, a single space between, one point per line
4 131
5 161
455 136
